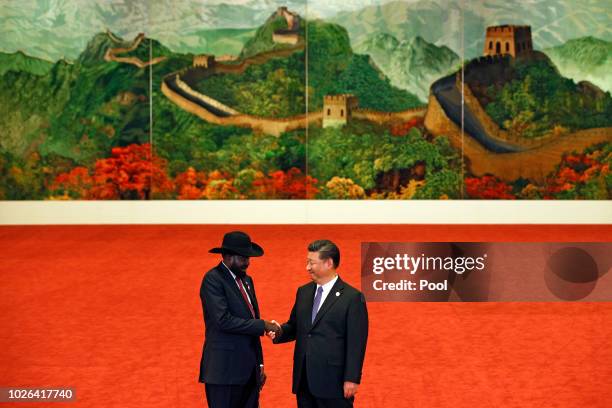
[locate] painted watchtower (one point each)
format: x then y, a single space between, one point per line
514 40
337 109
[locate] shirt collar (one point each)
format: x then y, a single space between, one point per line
327 287
229 270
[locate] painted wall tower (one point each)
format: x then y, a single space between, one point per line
508 40
337 109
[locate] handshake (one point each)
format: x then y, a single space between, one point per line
272 329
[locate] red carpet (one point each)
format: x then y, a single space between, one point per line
114 312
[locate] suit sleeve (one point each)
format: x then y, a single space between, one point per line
356 338
288 328
258 349
214 300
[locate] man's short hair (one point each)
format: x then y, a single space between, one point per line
326 250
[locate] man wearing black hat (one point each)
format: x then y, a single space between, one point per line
232 358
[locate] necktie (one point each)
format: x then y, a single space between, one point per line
244 295
317 302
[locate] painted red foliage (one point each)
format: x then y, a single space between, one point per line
78 181
292 184
289 184
190 184
132 172
574 169
488 187
403 128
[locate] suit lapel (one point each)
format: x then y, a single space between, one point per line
309 294
329 300
232 283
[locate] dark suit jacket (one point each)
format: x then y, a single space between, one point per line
232 348
333 347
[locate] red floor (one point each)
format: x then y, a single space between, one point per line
114 312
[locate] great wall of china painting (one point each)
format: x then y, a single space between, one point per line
318 99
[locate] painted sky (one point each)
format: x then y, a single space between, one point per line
53 29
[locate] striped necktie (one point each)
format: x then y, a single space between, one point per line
244 295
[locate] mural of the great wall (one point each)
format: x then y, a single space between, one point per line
251 99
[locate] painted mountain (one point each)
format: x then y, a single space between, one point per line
441 21
68 126
19 61
585 59
129 117
54 29
410 64
61 28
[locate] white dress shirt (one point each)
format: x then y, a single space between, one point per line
234 277
326 289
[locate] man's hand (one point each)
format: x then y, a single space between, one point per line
350 389
271 327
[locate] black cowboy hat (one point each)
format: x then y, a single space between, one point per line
237 242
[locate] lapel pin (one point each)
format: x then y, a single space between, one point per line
337 293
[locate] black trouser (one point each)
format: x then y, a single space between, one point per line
306 400
234 396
